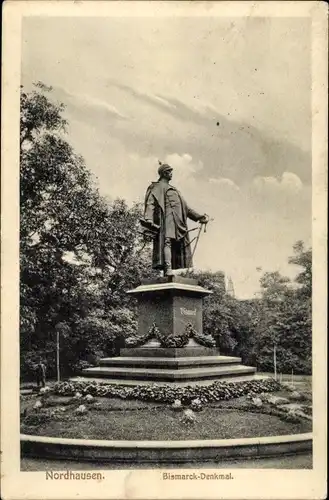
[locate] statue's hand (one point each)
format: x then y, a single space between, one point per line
204 219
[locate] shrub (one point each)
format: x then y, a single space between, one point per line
35 419
82 364
196 404
297 396
257 402
44 390
291 417
42 415
38 404
217 391
177 405
81 409
188 417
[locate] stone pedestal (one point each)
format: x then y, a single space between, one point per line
171 303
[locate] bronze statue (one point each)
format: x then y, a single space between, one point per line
165 219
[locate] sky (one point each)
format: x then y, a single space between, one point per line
225 101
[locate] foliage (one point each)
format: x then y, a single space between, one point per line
196 405
217 311
303 259
217 391
188 417
281 412
78 252
174 340
177 405
170 340
39 114
102 332
139 340
204 340
283 318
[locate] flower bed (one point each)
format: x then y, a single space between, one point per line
221 410
156 423
216 391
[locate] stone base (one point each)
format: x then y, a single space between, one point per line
170 279
169 369
171 304
170 352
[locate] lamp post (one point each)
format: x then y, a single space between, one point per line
58 329
57 356
274 361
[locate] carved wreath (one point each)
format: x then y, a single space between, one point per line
171 340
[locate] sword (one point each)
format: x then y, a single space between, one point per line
196 242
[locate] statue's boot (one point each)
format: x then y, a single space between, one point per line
168 269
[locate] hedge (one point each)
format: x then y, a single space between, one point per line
217 391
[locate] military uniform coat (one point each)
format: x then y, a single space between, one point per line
165 206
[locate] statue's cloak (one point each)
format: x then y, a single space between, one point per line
174 226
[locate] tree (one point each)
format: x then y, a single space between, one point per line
39 114
303 258
274 287
51 176
245 316
78 252
284 318
218 317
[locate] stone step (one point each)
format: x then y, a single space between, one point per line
173 363
169 352
168 375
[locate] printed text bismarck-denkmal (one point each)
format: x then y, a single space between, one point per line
195 476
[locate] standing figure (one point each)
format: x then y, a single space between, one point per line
41 374
165 216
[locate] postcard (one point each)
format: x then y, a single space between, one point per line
164 186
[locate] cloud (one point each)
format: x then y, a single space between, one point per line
184 163
240 121
98 103
224 182
152 125
155 100
161 100
186 110
160 124
82 101
186 173
289 183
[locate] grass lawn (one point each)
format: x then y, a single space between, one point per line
116 419
302 383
